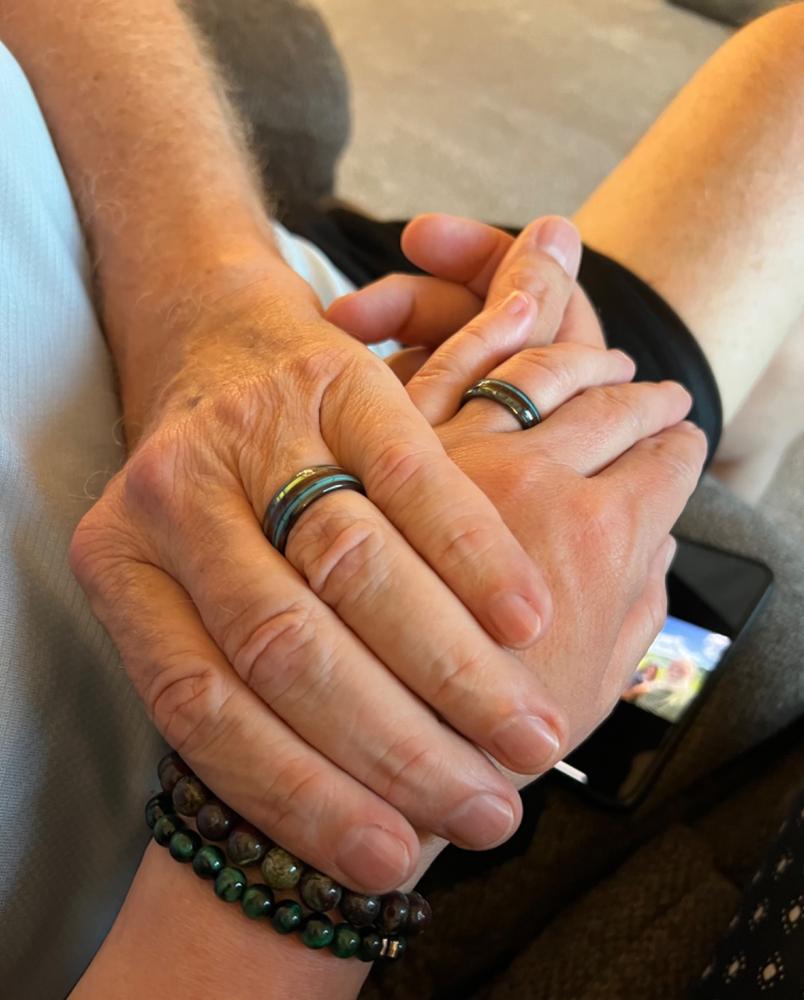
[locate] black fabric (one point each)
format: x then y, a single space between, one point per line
763 953
634 317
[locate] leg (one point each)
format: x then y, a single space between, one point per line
709 209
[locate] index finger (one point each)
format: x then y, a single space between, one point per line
447 519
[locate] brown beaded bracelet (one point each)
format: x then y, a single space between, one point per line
371 927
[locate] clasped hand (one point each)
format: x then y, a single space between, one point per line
492 592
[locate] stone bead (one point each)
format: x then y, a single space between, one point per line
230 884
184 845
318 931
420 915
245 845
319 892
215 821
170 768
156 806
360 911
257 901
287 916
370 946
209 861
393 948
394 912
165 827
189 794
345 941
280 869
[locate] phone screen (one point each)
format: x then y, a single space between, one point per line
673 672
712 594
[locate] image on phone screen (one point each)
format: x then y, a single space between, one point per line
674 670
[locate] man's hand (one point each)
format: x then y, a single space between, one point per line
296 686
230 382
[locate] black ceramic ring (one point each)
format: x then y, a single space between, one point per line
300 492
507 395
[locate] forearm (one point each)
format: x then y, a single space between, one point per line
155 160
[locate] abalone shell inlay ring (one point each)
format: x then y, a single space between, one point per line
300 492
514 400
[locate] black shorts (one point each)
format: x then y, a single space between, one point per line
634 317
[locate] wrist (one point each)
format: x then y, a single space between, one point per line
152 335
174 937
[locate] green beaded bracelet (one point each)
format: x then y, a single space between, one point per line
230 884
345 941
373 924
184 845
287 916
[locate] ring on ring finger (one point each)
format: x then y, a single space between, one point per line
298 494
541 378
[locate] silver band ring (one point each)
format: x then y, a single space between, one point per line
300 492
513 399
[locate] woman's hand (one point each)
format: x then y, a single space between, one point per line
469 265
320 694
593 490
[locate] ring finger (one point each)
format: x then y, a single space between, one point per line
549 377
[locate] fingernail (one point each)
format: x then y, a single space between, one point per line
671 551
559 239
529 741
480 822
373 857
516 620
625 355
516 303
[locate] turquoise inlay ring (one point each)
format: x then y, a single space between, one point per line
507 395
300 492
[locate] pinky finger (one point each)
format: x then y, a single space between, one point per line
243 751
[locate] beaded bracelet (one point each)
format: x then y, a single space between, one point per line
371 927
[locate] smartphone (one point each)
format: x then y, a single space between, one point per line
712 597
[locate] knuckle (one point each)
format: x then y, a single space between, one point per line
98 547
341 555
399 473
547 282
616 407
186 704
454 679
153 480
555 371
681 465
297 792
468 540
281 656
316 369
407 766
